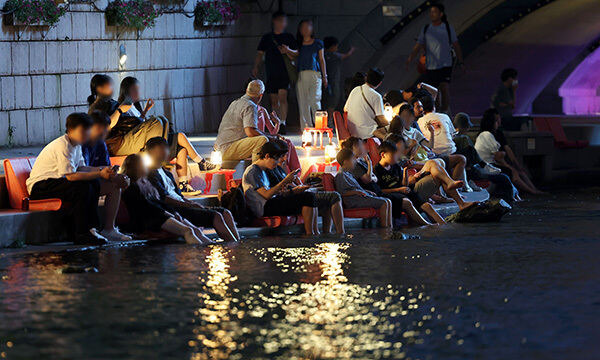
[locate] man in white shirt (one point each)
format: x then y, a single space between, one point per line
440 139
60 172
365 108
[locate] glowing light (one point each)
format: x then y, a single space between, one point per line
388 113
122 55
320 119
306 138
216 157
330 152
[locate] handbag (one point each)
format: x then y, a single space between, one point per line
290 66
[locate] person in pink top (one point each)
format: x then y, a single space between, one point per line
272 123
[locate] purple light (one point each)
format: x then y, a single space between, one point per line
581 90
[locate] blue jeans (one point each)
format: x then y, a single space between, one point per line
500 184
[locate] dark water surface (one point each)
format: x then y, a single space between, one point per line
525 288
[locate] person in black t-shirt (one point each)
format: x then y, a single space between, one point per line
275 47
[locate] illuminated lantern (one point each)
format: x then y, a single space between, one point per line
388 113
330 152
306 138
320 119
216 157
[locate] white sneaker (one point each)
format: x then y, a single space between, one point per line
490 169
115 235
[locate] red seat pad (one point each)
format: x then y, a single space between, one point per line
341 125
17 172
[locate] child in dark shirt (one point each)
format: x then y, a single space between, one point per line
146 211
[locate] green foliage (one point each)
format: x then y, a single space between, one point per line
31 12
137 14
216 12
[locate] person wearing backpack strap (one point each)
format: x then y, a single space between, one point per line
439 43
279 49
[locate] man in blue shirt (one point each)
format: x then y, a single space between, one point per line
95 152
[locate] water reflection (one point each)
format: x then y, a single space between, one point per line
212 337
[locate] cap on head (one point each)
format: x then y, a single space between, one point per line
462 121
255 88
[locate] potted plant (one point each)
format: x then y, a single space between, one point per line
32 13
216 13
136 14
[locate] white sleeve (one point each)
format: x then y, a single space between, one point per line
378 105
423 128
63 162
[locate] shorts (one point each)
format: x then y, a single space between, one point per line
289 204
276 83
326 199
199 216
446 159
423 189
357 201
437 76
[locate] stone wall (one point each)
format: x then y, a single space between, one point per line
192 74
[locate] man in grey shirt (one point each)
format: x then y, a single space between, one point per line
438 40
239 137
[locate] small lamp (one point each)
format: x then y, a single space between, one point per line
306 138
330 152
122 55
216 157
388 112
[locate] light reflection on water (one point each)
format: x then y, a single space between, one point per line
528 290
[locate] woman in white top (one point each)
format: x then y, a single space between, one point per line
489 149
181 148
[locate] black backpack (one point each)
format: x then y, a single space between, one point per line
235 202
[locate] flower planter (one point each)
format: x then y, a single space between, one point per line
133 14
215 13
32 13
9 20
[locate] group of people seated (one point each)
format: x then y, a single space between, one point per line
432 135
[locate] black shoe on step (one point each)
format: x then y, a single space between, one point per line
206 165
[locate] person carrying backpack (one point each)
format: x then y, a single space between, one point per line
439 43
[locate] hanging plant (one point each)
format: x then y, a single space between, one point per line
137 14
32 12
215 13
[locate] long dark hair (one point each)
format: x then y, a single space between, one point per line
126 84
97 81
299 36
488 121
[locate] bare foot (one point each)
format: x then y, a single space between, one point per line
456 185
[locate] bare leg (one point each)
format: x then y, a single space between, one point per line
222 229
228 217
412 213
326 221
111 203
456 197
315 222
338 217
175 227
181 164
429 210
441 175
307 215
197 231
183 141
275 104
457 164
384 214
282 96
